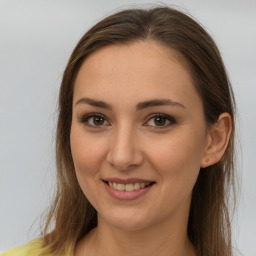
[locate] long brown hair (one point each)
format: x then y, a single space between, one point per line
72 216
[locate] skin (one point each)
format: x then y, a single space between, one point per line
130 143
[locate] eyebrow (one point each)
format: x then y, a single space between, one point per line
139 106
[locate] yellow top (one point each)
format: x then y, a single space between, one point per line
32 248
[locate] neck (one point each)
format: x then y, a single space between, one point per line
161 240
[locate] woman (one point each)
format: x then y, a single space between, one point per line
145 142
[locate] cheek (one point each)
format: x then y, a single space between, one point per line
87 153
177 160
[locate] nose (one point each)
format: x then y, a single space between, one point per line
125 150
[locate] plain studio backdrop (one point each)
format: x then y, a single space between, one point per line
36 39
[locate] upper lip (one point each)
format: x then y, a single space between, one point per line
128 181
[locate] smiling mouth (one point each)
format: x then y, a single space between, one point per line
128 187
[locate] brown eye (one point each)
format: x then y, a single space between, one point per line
98 120
159 121
94 120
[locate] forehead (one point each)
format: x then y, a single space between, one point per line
142 69
128 57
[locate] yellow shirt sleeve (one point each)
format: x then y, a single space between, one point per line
32 248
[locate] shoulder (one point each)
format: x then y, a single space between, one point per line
31 248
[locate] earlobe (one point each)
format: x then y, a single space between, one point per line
219 135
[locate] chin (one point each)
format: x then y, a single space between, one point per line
126 221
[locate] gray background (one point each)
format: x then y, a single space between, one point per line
36 39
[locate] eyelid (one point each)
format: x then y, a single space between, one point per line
85 119
169 118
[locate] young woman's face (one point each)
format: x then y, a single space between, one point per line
138 135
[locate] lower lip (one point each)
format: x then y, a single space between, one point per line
127 195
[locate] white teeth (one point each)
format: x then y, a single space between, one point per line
136 186
120 187
128 187
114 185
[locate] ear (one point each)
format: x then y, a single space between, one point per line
217 142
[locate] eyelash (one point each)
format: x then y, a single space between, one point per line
171 120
